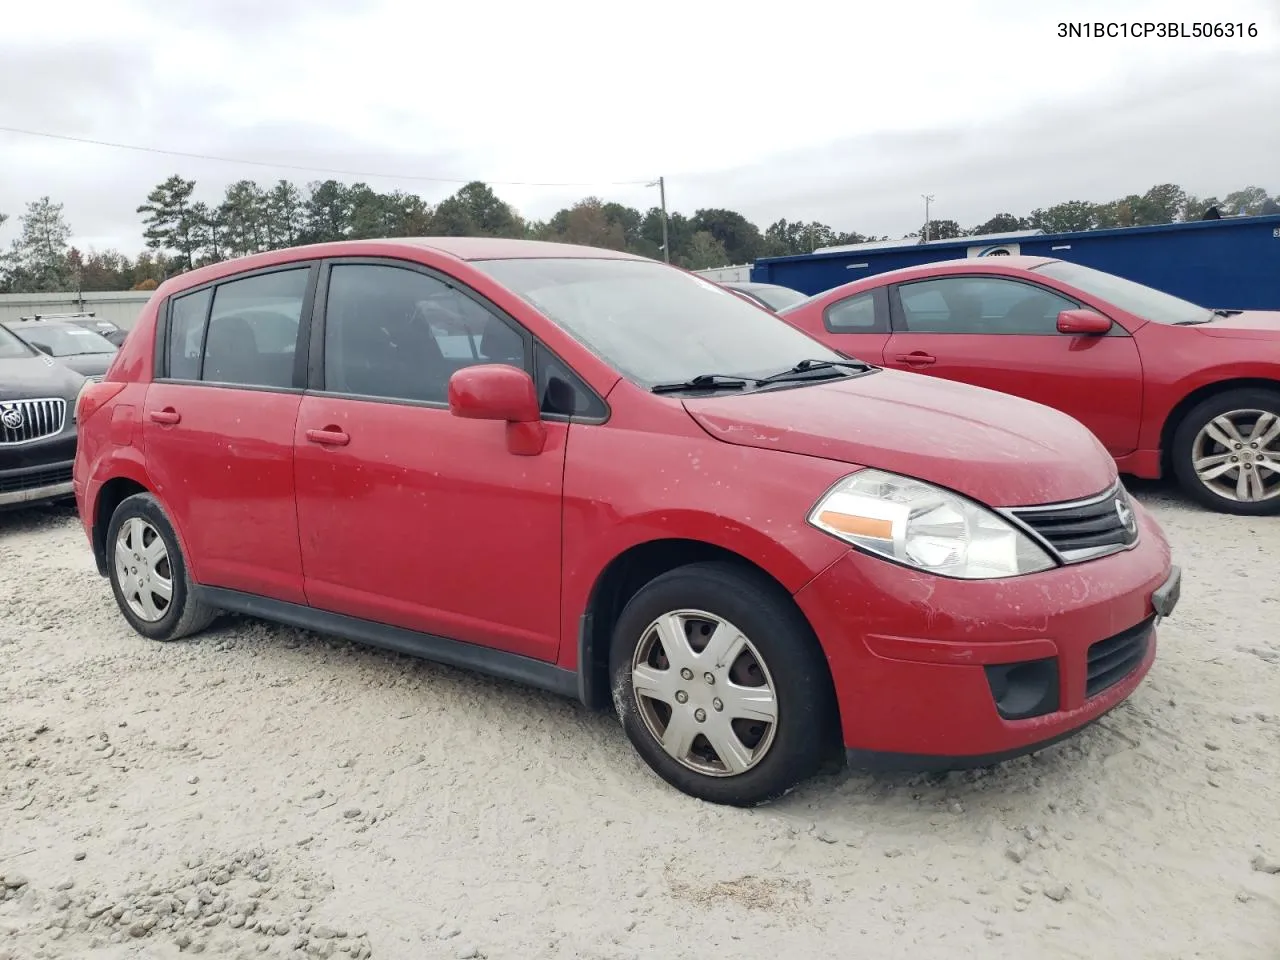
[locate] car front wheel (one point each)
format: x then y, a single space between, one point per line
720 684
148 573
1226 452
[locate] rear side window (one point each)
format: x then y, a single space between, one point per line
253 329
186 334
857 314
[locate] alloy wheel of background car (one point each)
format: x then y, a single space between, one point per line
720 684
148 575
1227 452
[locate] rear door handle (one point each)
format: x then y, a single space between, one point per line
167 416
916 359
329 436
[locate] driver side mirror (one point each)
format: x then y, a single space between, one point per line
1088 322
44 348
497 391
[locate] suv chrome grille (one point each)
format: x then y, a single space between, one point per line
1082 529
22 421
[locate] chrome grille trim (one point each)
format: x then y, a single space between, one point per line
41 419
1098 514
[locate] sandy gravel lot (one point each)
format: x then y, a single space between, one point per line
258 791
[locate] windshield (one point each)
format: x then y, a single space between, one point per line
654 323
777 298
1140 300
68 341
11 348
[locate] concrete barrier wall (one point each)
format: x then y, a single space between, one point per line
121 309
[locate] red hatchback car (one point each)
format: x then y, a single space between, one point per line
1166 385
612 479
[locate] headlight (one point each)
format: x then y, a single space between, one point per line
926 527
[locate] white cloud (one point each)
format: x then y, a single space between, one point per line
838 112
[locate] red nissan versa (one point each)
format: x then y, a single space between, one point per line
1166 385
615 480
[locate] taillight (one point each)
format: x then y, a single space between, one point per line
92 396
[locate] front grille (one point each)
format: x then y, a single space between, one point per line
1083 529
1113 659
22 421
35 478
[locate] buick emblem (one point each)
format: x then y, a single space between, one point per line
11 417
1125 513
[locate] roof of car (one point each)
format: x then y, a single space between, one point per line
965 264
24 324
749 285
1023 262
461 248
500 248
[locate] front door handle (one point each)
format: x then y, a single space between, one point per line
329 436
917 358
166 416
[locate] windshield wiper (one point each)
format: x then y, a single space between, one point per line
799 371
703 381
1213 314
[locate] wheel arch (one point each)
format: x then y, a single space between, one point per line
110 495
622 578
1198 395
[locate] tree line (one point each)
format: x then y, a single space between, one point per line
183 232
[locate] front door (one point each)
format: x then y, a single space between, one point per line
218 429
1001 333
411 516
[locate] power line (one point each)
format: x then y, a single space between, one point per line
294 166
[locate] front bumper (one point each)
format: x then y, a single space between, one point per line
37 472
934 673
28 486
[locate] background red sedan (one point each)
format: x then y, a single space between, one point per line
1166 385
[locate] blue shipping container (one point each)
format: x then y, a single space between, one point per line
1230 264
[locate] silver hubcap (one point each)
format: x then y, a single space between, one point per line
142 569
704 693
1237 455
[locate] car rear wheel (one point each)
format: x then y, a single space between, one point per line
148 574
721 685
1226 452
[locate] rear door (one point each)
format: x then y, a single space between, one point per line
1001 333
218 425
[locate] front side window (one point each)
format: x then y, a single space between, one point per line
980 305
653 323
400 334
253 329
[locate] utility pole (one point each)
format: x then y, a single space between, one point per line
661 184
928 198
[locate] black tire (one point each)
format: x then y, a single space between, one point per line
1182 453
806 722
184 614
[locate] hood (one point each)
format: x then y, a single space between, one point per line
1249 325
1000 450
25 378
88 364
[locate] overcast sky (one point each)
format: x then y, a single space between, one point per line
807 109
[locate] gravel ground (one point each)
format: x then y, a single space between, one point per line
259 791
